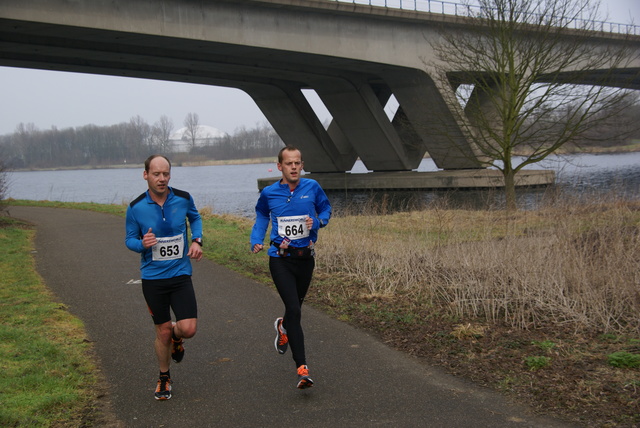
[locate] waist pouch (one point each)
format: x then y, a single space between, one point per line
295 252
299 253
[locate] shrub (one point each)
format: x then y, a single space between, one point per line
537 362
624 359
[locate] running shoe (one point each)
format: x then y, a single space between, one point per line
304 381
177 350
282 341
163 390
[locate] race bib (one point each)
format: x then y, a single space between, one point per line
169 248
293 227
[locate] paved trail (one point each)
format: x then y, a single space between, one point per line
231 375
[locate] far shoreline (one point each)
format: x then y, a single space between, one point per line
629 148
250 161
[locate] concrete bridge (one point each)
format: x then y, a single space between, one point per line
355 57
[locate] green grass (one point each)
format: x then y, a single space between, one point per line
89 206
624 359
226 242
537 362
47 371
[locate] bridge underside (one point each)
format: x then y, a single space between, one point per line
354 92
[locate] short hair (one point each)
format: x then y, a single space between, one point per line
290 149
152 157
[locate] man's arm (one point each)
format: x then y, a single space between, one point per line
133 238
195 224
263 216
323 208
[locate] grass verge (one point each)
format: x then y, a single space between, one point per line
48 374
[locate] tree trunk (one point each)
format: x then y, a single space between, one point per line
510 189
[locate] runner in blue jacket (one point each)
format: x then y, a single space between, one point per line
297 208
156 227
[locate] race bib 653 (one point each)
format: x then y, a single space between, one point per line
168 248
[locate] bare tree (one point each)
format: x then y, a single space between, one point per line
161 133
139 137
192 123
525 62
24 141
3 183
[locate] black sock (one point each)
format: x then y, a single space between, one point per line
165 374
173 335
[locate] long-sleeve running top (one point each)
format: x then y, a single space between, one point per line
287 211
168 258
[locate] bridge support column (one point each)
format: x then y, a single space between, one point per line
288 111
433 119
358 112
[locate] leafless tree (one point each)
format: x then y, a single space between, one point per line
161 133
192 123
3 183
139 137
524 62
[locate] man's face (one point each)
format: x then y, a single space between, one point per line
291 166
158 176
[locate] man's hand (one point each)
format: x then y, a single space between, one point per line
195 251
149 239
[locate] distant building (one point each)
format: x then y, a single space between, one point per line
206 136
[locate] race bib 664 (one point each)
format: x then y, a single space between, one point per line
293 227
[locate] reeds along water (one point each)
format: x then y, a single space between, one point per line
573 261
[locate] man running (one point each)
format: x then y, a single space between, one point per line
156 227
297 208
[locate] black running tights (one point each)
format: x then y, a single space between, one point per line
292 278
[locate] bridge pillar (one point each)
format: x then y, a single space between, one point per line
358 112
290 114
433 118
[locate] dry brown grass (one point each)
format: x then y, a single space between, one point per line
574 266
530 303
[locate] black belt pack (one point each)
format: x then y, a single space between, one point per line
299 253
295 252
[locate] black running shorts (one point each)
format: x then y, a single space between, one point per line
164 295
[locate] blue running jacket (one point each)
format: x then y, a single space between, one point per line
168 258
287 210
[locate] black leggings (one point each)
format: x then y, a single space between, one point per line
292 278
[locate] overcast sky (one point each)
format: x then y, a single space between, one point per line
63 100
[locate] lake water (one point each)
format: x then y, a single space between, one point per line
233 188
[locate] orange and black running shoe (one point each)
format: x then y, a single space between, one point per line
304 381
282 341
177 350
163 389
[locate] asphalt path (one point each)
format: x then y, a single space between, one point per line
231 375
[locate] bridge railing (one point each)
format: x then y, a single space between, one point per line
458 9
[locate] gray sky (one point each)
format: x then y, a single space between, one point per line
63 100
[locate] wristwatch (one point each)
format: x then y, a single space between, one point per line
197 241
